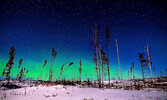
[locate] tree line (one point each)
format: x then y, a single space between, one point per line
100 57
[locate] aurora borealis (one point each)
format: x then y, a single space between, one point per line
34 27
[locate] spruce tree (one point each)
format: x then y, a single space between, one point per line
8 67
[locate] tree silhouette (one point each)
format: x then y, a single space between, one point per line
130 73
53 55
80 70
147 49
96 56
20 63
8 67
22 74
43 68
62 70
103 61
26 73
143 63
107 43
118 59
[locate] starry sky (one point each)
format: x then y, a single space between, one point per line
34 27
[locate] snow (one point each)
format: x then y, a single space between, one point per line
61 92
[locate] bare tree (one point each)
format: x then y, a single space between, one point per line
43 68
149 60
107 43
118 59
62 70
53 55
95 39
97 74
103 61
8 67
130 73
143 62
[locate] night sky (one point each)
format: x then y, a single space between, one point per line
34 27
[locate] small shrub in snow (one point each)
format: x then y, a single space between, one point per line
47 96
55 95
133 96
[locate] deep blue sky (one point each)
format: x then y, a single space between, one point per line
36 26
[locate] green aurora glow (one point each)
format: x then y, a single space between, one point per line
35 69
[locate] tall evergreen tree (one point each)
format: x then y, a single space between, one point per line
8 67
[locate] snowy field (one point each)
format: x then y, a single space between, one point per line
60 92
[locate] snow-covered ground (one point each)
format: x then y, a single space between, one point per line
61 92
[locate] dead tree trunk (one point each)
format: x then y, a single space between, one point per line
149 60
97 56
53 55
59 71
64 70
142 68
101 60
42 69
142 61
107 43
130 73
118 59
